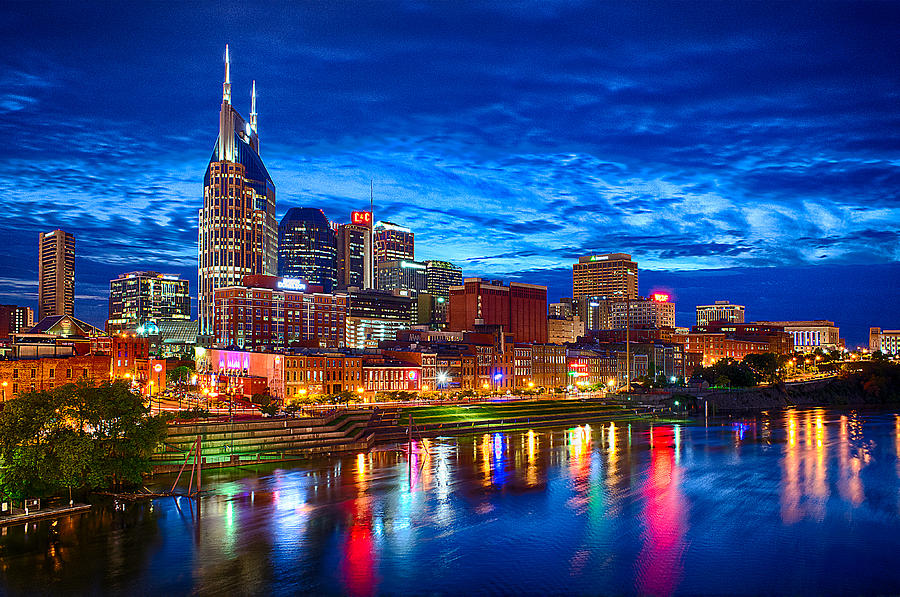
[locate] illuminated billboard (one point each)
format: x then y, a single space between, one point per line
660 297
292 284
361 218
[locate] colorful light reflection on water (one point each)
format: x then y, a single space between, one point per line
807 501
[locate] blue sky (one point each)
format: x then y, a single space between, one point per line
743 151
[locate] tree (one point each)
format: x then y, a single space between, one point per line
765 365
181 374
75 436
261 399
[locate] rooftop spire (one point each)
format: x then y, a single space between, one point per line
253 107
226 86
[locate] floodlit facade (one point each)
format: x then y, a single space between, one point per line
887 341
238 234
521 309
809 335
720 311
609 275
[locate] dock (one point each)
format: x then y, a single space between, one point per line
19 516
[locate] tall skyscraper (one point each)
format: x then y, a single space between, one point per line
610 275
138 297
56 274
393 243
307 247
238 232
354 252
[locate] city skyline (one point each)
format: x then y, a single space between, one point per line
727 170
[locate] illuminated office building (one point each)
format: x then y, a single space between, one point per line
238 233
393 243
56 274
720 311
136 298
307 247
610 275
354 252
404 276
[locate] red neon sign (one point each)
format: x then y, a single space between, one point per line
361 218
660 297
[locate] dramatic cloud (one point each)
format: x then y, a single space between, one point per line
512 137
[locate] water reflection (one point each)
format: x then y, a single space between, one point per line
663 517
610 508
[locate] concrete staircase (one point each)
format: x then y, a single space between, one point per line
265 440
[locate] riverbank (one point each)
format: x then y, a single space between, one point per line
244 442
878 386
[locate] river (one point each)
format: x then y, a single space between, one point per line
799 502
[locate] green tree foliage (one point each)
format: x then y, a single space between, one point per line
77 436
180 374
728 372
766 366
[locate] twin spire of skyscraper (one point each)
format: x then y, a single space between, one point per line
226 90
238 234
231 123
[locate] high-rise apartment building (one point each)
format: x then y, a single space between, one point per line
56 274
611 275
721 311
15 320
355 252
138 297
307 247
393 243
521 309
238 234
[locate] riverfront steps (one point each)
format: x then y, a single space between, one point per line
227 444
482 417
264 440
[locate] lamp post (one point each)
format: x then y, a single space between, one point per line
442 378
